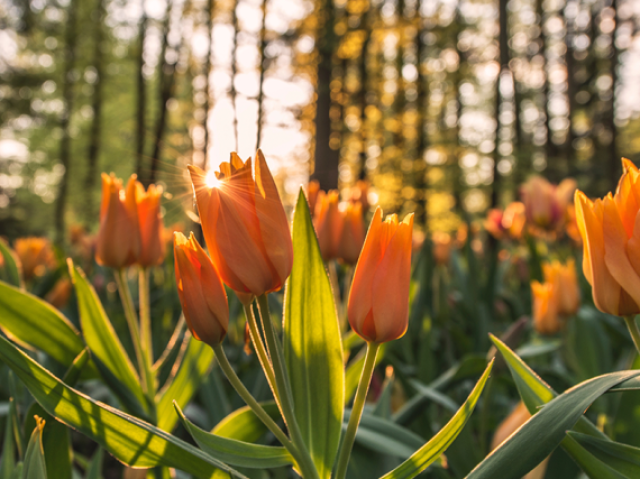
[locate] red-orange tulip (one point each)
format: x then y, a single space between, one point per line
611 237
328 224
378 306
313 189
507 223
244 225
153 247
202 295
546 204
118 242
352 237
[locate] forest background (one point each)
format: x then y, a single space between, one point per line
445 106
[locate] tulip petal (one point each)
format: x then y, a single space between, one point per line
272 218
360 296
391 286
615 241
606 291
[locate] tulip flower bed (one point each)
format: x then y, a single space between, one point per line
331 344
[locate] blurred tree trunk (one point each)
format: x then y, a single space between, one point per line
399 104
326 159
96 124
234 70
65 118
141 95
420 171
263 68
569 152
610 121
504 64
167 73
549 147
207 84
366 25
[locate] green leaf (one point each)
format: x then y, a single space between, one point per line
7 463
56 442
131 440
439 443
312 345
385 437
244 425
235 452
30 321
590 464
12 271
34 463
545 430
94 471
623 458
104 343
533 390
434 395
195 365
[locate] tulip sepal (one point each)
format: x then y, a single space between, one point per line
356 410
632 325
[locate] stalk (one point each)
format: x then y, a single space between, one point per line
284 389
260 350
146 340
356 410
633 330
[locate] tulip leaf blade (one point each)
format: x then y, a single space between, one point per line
34 462
313 346
11 265
434 448
104 344
196 362
33 322
243 424
131 440
623 458
235 452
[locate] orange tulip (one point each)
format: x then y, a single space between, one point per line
359 193
441 247
244 225
611 260
511 424
153 247
378 308
202 294
35 256
508 223
118 242
60 293
313 189
328 224
546 204
555 299
352 237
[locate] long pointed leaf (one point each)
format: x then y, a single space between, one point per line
234 452
313 348
34 462
11 265
622 457
131 440
439 443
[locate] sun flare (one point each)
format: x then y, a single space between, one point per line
211 180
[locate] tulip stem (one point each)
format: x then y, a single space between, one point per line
356 410
258 345
146 340
132 321
633 330
284 389
255 406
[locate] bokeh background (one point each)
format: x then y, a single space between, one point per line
445 106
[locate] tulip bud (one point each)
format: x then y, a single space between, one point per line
328 224
352 237
441 247
201 292
313 189
118 242
244 225
545 308
378 308
611 260
35 256
153 247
